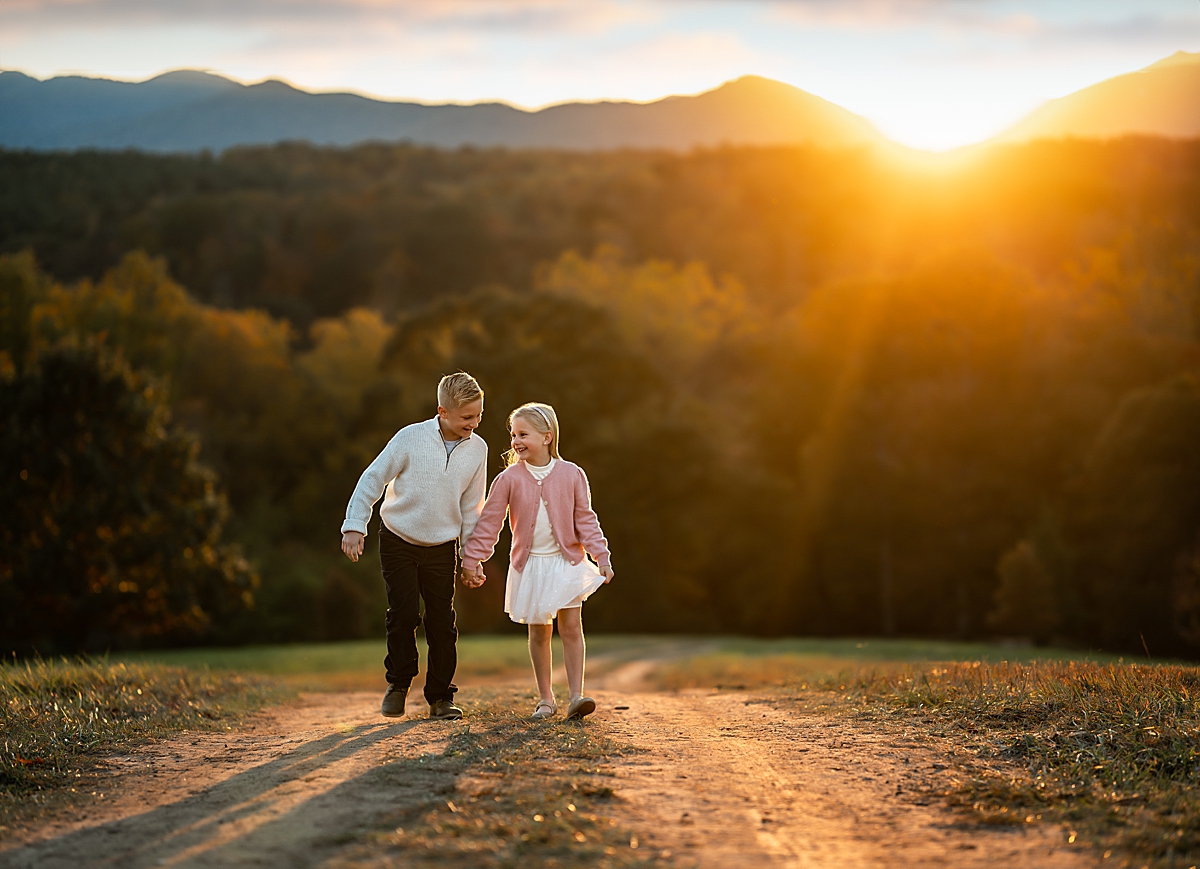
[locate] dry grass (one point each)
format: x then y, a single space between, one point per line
352 665
526 794
1114 749
357 665
746 672
59 718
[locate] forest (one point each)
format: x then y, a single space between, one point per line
816 392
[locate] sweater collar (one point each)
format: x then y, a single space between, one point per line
436 428
554 463
521 472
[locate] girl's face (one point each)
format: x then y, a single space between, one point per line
529 444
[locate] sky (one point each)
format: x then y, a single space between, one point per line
931 74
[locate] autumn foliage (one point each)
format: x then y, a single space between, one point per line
816 392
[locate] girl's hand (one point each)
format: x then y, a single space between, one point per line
607 572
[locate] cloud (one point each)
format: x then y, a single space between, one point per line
892 14
1037 23
1156 29
477 15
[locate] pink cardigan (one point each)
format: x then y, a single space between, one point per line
568 505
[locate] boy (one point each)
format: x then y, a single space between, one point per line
432 476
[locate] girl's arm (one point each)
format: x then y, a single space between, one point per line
587 526
487 530
471 502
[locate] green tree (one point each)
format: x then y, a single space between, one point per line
111 532
1026 599
1135 511
1185 595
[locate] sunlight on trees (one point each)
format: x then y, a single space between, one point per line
815 392
676 314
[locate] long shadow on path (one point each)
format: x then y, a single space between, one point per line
283 812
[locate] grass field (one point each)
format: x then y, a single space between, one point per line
1112 749
358 664
700 661
59 717
352 665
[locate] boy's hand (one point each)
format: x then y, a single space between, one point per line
353 544
473 578
607 572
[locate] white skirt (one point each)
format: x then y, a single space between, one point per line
548 583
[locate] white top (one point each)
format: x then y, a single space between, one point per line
543 535
430 496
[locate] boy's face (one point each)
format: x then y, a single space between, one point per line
459 422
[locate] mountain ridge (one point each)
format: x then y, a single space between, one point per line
1162 99
195 110
191 110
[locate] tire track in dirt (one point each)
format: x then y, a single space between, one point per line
729 779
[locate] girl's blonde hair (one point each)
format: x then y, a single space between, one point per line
543 418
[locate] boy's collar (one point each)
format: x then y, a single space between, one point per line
437 427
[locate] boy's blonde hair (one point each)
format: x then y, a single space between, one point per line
455 390
543 418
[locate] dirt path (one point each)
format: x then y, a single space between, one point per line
722 780
730 780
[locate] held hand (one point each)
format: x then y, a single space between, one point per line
607 572
480 576
472 578
353 544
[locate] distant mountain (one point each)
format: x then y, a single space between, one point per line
190 111
1161 100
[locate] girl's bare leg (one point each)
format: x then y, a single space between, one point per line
570 629
542 658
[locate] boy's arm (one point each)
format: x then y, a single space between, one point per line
587 525
483 539
387 466
472 501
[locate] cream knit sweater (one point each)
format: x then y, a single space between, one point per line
428 497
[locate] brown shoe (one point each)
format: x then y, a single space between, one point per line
580 707
444 710
393 702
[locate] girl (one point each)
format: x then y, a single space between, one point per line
549 509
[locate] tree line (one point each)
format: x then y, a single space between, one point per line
816 392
